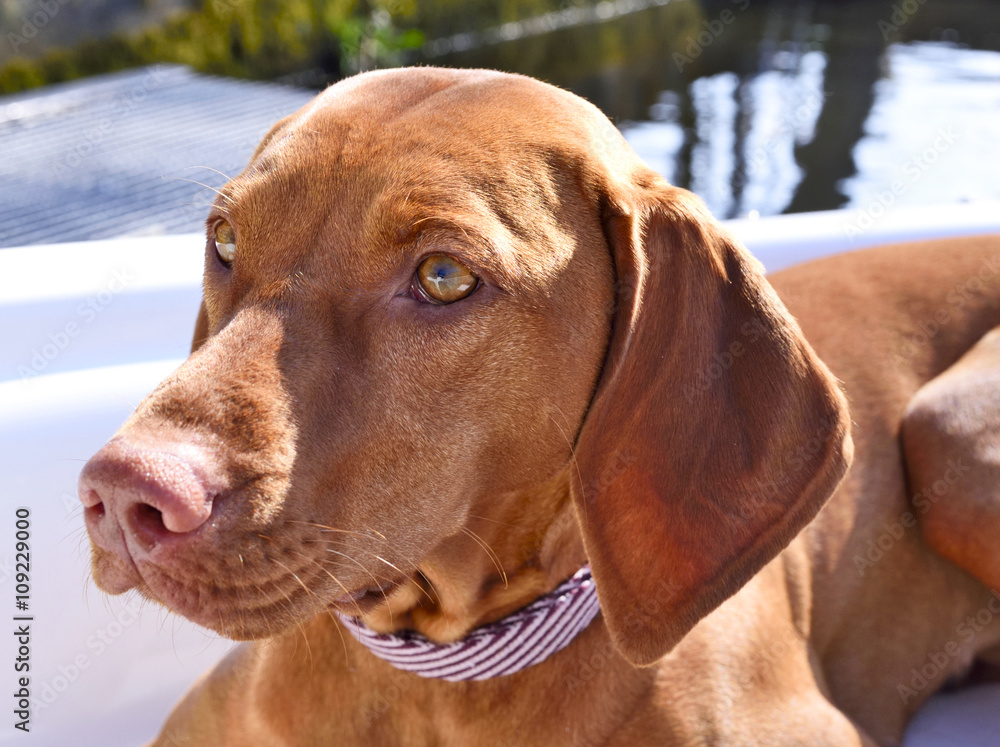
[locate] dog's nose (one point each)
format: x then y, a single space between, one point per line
147 493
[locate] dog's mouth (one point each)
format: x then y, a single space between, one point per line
365 599
242 612
235 613
266 592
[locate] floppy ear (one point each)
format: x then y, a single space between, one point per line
200 328
715 433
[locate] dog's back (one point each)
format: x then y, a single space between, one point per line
887 609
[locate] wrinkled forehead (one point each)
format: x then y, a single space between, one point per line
384 159
461 106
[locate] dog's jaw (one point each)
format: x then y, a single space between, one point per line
502 569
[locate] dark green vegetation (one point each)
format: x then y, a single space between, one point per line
311 41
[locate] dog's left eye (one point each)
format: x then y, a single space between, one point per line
443 279
225 242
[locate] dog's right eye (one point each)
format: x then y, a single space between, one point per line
443 279
225 242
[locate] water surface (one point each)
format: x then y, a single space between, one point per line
784 106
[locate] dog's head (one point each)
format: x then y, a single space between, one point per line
436 304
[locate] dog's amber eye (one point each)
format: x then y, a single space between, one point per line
444 279
225 242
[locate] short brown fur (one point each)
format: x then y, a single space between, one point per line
624 387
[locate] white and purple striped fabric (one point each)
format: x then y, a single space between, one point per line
518 641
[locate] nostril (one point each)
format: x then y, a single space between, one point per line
93 506
94 512
90 498
146 494
147 522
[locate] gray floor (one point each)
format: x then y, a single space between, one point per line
118 155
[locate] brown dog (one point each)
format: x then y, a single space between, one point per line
457 341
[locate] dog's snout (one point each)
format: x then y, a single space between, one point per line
136 496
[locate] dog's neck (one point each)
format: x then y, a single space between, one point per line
509 554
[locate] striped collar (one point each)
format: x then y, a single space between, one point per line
515 642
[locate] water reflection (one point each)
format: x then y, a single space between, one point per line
712 160
742 160
659 142
933 134
782 108
788 105
936 113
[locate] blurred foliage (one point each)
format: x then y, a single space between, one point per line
308 42
262 39
447 17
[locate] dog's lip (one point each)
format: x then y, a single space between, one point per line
116 574
366 598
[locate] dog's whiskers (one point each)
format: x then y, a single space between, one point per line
425 585
161 620
290 608
219 192
336 580
395 568
359 565
405 574
333 618
326 528
440 219
291 573
572 449
495 521
419 586
489 551
223 174
194 204
81 536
